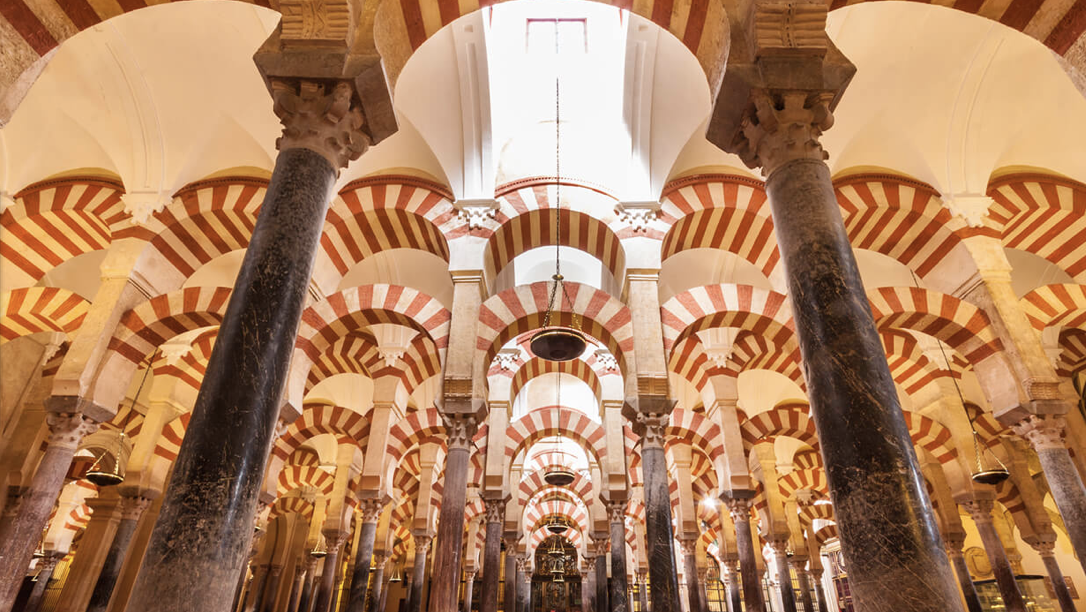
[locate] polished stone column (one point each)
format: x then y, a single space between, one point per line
418 574
296 588
804 589
305 602
21 535
735 598
784 574
703 575
445 585
820 593
1063 595
326 591
744 543
689 548
370 510
619 590
492 554
981 511
659 538
46 565
202 535
1045 434
131 510
588 584
602 595
888 530
469 588
509 598
524 585
377 592
642 591
271 589
254 598
954 543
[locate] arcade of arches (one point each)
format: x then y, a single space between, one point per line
276 267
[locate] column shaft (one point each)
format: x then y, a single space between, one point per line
492 552
748 566
378 586
360 580
327 588
588 586
735 598
445 586
820 593
45 574
131 510
969 590
524 588
418 575
22 534
1063 595
296 588
202 535
642 592
602 595
509 598
254 599
784 580
888 530
981 511
469 587
805 589
691 570
618 593
305 602
660 544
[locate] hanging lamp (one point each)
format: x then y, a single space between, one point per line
558 560
397 573
558 343
991 475
557 524
321 549
99 474
558 475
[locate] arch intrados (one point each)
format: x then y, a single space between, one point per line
524 432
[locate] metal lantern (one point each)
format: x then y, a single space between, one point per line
559 476
321 549
558 343
114 474
557 525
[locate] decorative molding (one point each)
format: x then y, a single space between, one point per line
779 127
507 358
1042 432
477 213
142 205
326 122
316 23
973 209
781 28
459 429
67 429
654 427
639 215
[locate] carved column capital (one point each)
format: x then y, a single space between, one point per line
779 544
616 511
67 429
523 565
132 507
641 576
324 117
739 508
980 510
689 546
495 510
782 126
370 508
654 428
459 429
1043 432
600 546
422 543
48 562
730 566
333 540
954 542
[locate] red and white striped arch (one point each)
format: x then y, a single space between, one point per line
1056 305
56 220
206 219
521 309
346 241
544 423
931 436
813 479
318 419
762 312
689 360
190 368
1044 215
900 218
537 366
414 428
291 505
169 443
963 326
293 477
827 532
1072 353
720 212
754 352
689 427
30 310
791 420
908 365
532 484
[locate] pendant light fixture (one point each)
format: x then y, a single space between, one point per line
114 474
992 474
558 560
558 475
557 524
321 549
558 343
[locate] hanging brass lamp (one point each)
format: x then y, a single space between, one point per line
990 475
101 475
557 524
321 549
558 343
558 475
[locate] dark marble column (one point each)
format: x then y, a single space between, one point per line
618 593
445 585
254 598
378 583
370 510
820 593
804 588
492 554
588 584
296 588
954 543
46 565
418 574
271 589
1048 556
658 535
509 598
21 535
744 543
305 602
735 597
642 590
383 600
602 595
326 591
131 510
202 535
1045 434
524 585
469 588
690 561
888 530
981 511
703 596
784 575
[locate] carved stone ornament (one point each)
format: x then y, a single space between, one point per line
1042 432
67 429
495 510
132 507
507 358
316 22
477 213
370 508
655 427
606 360
738 508
422 543
980 510
638 215
142 205
689 546
954 543
1044 548
780 127
523 565
616 511
326 122
459 429
600 546
972 209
